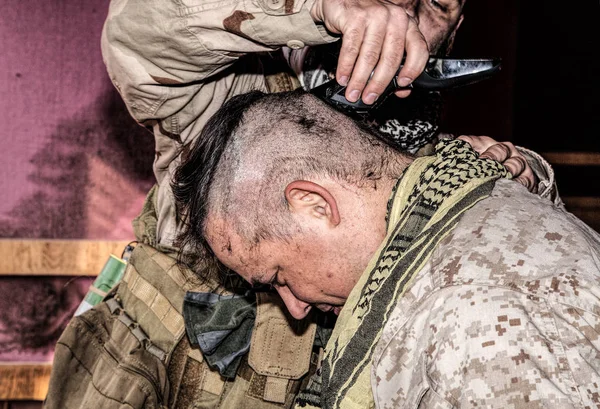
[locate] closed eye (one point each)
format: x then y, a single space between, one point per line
262 287
275 279
439 6
258 285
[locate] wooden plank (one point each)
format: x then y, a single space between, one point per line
24 381
584 202
586 208
573 158
56 257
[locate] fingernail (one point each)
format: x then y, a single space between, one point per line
404 81
343 81
371 98
354 95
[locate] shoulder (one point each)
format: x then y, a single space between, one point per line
505 309
516 240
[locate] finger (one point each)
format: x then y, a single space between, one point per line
529 180
351 44
403 94
391 55
471 141
526 177
498 152
476 143
479 143
417 54
516 166
513 150
366 61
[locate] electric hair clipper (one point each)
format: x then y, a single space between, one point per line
439 74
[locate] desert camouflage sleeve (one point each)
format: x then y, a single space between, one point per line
494 348
175 62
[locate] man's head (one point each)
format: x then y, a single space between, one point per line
286 191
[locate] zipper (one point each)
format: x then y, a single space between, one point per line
146 376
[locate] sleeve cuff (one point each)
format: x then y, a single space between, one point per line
277 23
546 187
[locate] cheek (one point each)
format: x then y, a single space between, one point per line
434 32
335 283
310 286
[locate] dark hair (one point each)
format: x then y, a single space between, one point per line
192 180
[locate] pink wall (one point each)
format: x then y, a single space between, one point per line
74 164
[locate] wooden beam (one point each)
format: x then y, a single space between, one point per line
586 208
56 257
585 202
573 158
24 381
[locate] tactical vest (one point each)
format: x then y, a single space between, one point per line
131 351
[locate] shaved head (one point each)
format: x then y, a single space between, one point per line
256 145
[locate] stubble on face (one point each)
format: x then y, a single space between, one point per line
438 21
304 265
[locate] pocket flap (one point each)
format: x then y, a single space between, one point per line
281 346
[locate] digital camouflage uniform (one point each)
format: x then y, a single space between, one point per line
482 295
506 314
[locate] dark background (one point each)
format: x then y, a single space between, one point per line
546 97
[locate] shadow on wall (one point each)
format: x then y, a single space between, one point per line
90 178
34 311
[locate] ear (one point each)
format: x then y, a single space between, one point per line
313 200
460 20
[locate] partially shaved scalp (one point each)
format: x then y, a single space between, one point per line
257 144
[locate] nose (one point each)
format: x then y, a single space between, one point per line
297 308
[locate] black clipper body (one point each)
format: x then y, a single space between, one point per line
439 74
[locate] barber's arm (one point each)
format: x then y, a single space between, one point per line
175 63
545 181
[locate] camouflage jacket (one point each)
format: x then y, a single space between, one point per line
505 314
176 62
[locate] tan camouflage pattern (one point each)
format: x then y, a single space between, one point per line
505 315
176 62
131 350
